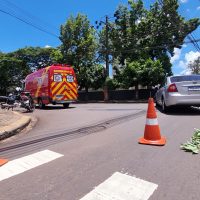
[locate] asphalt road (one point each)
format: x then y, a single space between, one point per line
97 140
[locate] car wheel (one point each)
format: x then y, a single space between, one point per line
40 103
164 107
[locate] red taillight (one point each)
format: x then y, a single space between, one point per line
172 88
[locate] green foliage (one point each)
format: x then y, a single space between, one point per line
91 77
131 74
79 49
194 144
13 71
142 72
57 56
139 33
152 73
35 57
140 45
112 84
15 66
98 76
78 41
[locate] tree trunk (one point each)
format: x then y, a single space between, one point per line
136 92
150 91
105 92
86 94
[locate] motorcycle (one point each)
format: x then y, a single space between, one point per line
27 101
22 99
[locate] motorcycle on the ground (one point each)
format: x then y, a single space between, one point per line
26 101
21 99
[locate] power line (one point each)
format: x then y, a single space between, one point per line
148 48
17 9
24 16
196 44
133 38
192 38
195 40
163 46
28 23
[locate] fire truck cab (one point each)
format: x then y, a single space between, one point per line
56 84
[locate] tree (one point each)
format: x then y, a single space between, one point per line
57 56
13 71
79 48
195 66
125 34
15 66
152 73
142 72
139 33
35 57
91 77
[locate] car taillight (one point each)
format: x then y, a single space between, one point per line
172 88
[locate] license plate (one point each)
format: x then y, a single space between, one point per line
194 88
59 96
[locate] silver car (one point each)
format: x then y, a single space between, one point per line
179 90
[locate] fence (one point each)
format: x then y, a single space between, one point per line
116 95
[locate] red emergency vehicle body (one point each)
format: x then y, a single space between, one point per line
55 84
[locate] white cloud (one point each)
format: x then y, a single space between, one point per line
189 57
183 1
177 53
185 72
47 46
198 8
182 64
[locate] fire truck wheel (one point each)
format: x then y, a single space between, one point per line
66 105
40 103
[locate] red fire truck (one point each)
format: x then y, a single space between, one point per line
55 84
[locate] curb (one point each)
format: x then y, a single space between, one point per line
14 127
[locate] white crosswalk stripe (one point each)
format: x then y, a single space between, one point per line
122 187
23 164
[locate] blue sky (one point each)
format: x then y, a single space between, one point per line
48 15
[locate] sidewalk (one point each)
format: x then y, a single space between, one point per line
11 122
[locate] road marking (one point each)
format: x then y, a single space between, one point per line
122 187
23 164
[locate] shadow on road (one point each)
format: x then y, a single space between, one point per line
110 109
188 111
55 108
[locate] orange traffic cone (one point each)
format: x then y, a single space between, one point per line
3 161
152 134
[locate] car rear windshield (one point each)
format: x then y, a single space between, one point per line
184 78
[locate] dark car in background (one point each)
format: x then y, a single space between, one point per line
183 90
